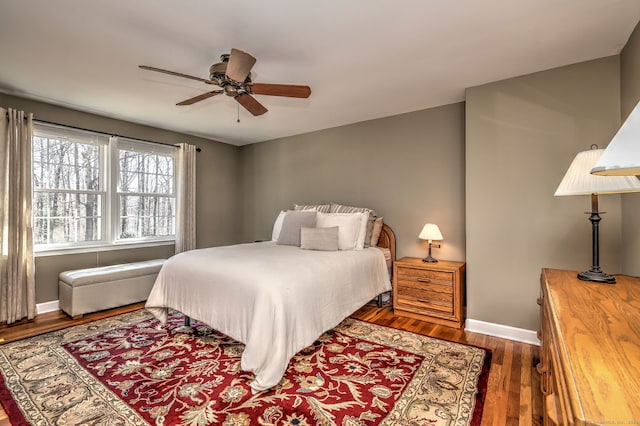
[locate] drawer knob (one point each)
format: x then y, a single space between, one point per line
424 280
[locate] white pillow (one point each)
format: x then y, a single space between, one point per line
277 226
350 226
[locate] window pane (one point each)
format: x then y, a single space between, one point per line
61 217
64 164
146 216
146 173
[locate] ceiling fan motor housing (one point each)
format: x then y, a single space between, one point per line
218 73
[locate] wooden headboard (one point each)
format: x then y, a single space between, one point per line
388 240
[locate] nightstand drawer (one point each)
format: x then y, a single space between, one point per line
426 301
422 293
405 285
425 276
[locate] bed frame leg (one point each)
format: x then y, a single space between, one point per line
187 321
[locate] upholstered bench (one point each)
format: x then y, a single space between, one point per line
88 290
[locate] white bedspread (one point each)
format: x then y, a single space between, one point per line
275 299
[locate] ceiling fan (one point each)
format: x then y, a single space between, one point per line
233 75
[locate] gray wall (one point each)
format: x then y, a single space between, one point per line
521 136
218 167
409 168
629 96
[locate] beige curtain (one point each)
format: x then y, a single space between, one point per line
186 203
17 281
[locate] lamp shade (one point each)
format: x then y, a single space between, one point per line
622 156
430 232
578 179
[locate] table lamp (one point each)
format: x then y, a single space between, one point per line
578 180
430 232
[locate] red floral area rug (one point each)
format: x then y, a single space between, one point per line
131 370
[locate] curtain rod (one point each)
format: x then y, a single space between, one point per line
111 134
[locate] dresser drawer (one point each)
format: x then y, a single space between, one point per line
556 402
559 409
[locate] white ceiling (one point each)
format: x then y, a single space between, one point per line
364 59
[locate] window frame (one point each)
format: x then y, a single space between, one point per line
108 184
114 193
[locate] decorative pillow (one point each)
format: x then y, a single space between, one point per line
291 224
324 208
349 226
376 231
339 208
277 226
325 239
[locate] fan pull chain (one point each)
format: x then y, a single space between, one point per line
238 113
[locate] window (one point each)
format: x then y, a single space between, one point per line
94 190
145 192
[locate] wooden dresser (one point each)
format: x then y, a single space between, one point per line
431 292
590 354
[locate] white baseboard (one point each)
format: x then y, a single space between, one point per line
502 331
51 306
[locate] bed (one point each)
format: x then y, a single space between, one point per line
276 299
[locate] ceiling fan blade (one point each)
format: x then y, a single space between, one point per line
240 64
199 98
251 104
288 90
179 74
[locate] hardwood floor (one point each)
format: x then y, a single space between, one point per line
513 396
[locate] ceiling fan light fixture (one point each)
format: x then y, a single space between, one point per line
230 90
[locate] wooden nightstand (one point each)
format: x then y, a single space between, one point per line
431 292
